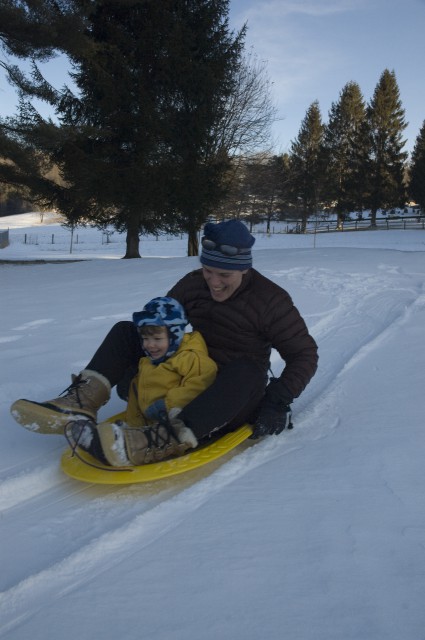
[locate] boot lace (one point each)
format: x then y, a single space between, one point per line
73 444
160 435
73 389
73 432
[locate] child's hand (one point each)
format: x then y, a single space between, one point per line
153 412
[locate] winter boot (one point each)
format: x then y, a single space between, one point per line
82 399
125 446
83 434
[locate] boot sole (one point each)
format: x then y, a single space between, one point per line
113 445
44 417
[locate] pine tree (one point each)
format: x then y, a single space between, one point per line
347 151
134 146
417 170
386 123
205 83
307 164
34 29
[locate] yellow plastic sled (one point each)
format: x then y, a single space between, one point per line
87 469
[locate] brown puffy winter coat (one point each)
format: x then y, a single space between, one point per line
258 316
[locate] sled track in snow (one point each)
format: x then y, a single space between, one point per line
323 404
27 485
348 335
137 517
160 514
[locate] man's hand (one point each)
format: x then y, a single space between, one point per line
272 420
275 411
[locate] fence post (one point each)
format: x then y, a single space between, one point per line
4 239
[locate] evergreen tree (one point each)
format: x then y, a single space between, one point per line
134 146
307 164
386 123
196 156
417 170
347 151
34 29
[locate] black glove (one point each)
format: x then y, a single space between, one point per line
275 412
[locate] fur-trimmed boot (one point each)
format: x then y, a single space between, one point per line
81 400
124 446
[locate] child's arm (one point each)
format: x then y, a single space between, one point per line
198 371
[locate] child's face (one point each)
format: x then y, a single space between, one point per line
157 343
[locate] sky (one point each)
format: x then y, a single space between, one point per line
315 534
314 47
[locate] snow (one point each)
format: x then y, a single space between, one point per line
316 534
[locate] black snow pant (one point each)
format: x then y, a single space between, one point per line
228 403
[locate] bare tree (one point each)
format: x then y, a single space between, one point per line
243 129
250 112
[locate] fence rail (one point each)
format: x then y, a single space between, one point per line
396 222
63 239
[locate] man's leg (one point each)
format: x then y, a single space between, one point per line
229 402
120 351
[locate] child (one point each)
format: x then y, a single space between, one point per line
174 371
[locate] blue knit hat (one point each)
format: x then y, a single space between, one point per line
164 312
227 245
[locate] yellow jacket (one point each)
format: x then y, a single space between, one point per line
178 380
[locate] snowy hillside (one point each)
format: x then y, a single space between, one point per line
317 534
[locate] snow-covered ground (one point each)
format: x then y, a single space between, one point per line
317 534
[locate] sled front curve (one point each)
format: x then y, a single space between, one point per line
80 467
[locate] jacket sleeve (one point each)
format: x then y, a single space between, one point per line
289 335
198 372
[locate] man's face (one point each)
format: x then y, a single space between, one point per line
222 282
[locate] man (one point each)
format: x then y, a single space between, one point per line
242 315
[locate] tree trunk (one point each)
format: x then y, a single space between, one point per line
268 225
192 243
132 241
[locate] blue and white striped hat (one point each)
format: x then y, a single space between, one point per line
227 245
